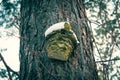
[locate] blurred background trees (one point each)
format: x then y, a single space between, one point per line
104 18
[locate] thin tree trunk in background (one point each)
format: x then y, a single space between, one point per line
36 17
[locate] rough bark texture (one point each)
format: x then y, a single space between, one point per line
36 17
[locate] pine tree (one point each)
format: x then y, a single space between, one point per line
36 17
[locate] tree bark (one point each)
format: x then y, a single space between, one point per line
36 17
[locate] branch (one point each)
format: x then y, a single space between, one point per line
10 77
95 43
8 68
107 60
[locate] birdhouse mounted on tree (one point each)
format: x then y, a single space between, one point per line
60 41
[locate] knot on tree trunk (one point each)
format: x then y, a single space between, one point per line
60 44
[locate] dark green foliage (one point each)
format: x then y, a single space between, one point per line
9 13
101 31
3 73
2 50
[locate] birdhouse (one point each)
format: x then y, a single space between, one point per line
60 44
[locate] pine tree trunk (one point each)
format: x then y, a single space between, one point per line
36 17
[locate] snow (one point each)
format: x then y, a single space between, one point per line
58 26
75 36
54 27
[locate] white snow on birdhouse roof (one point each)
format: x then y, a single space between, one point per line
54 27
58 26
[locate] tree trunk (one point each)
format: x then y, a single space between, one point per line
36 17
